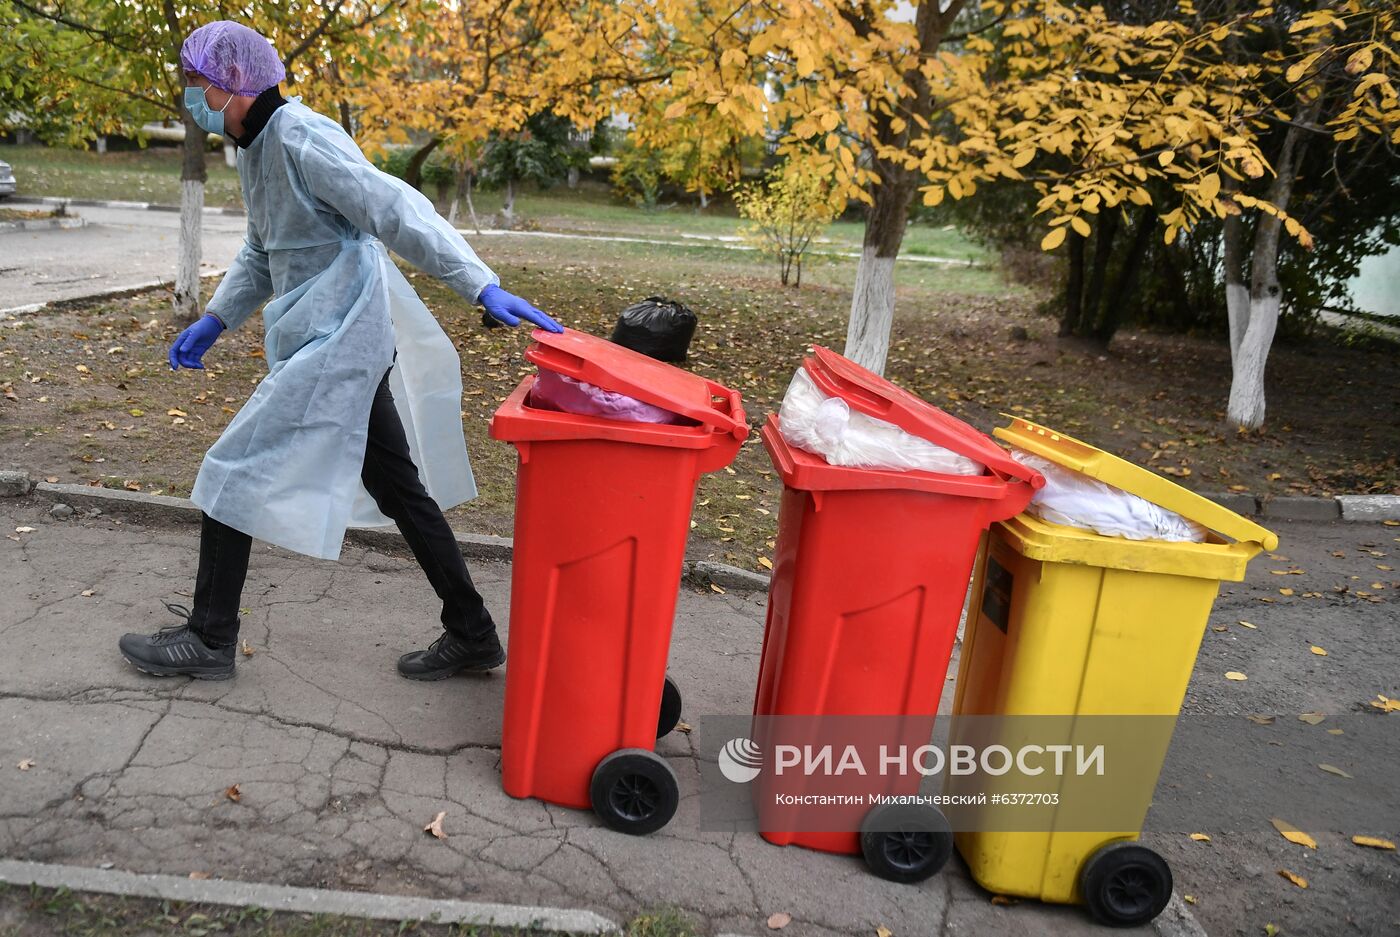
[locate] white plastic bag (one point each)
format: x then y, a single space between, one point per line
826 426
1077 500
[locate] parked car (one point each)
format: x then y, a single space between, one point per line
7 180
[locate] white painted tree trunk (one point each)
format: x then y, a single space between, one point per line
230 155
872 310
187 299
1246 407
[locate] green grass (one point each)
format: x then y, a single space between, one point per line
149 175
50 912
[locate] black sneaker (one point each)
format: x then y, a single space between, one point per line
177 652
449 655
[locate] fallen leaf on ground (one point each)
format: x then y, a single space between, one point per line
52 479
1293 834
247 649
1003 900
779 920
1285 592
716 588
233 793
1249 624
1335 732
26 764
883 931
1311 719
24 530
1333 769
1189 899
1261 720
1200 837
435 827
88 593
1373 842
1270 930
765 562
1234 675
683 727
1385 704
200 876
1318 651
1295 879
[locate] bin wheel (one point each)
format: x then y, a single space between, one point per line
634 791
906 842
670 708
1125 885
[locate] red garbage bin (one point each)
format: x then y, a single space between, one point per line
870 574
602 511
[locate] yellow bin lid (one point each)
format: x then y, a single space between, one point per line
1120 473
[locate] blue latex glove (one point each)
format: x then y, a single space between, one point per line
191 344
510 309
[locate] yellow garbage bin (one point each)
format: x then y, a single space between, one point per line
1065 622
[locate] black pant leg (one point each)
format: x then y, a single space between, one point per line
392 480
218 587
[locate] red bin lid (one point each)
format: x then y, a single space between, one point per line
604 364
869 393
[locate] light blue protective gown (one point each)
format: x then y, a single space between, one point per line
287 468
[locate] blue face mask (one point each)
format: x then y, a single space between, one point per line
206 117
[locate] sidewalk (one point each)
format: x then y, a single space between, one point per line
340 763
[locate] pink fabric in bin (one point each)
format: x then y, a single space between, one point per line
555 391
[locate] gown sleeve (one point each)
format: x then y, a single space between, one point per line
389 209
246 285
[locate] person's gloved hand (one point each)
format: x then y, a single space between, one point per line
510 309
191 344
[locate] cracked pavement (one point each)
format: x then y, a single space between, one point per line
340 762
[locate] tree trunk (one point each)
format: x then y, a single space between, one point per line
186 306
1074 285
1236 289
346 120
1111 312
872 299
413 174
508 209
704 200
572 178
1246 406
471 207
1103 251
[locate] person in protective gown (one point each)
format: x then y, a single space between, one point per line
358 422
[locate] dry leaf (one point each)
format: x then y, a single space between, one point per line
765 562
1385 704
1271 930
1285 592
1311 719
1333 769
1295 879
683 727
200 876
779 920
1004 900
1249 624
88 593
1293 834
1374 842
883 931
1318 651
233 793
247 649
52 479
26 764
1234 675
1200 837
24 530
1261 720
1189 899
715 588
435 827
1335 732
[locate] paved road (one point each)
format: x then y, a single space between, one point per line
340 762
119 247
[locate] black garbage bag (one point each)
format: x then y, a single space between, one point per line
658 327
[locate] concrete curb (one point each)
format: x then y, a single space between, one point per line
1288 507
116 292
110 203
304 900
164 509
41 224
